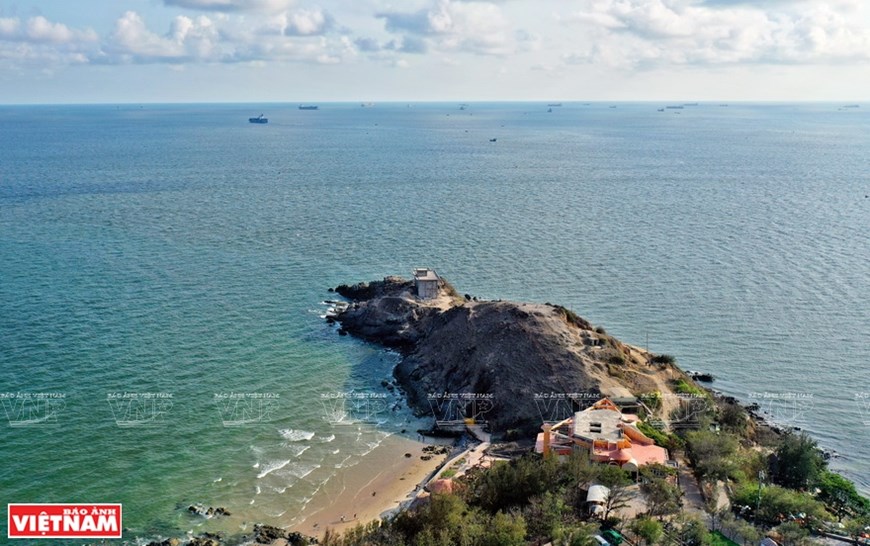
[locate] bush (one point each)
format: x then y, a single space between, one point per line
733 418
681 386
797 462
840 495
513 484
777 503
660 438
648 529
713 455
664 359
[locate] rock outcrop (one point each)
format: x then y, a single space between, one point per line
510 352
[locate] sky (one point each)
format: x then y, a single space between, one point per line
116 51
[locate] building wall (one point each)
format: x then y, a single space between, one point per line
427 289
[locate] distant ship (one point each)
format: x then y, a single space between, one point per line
259 119
309 107
555 104
674 107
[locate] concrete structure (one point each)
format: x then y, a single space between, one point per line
623 399
596 499
606 434
426 283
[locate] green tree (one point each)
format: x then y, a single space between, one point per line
792 534
662 498
734 418
691 531
840 495
545 514
713 454
648 529
617 481
777 503
797 462
505 530
577 535
511 485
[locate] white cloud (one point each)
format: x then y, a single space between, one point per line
10 28
473 27
294 36
303 22
649 32
40 43
38 29
134 42
232 5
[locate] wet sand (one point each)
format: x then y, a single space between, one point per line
371 489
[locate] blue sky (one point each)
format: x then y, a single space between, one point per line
59 51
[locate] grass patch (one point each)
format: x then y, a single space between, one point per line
718 539
659 437
681 386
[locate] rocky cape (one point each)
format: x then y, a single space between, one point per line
514 352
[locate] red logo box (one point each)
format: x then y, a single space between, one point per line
64 520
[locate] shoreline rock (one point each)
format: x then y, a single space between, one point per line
513 353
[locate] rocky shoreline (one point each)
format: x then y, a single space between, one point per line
263 535
512 352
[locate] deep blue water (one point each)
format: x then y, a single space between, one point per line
181 251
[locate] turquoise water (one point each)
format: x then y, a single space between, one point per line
180 251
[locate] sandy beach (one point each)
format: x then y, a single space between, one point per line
371 489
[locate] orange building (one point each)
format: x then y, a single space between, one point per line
608 435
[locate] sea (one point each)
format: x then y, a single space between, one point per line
164 276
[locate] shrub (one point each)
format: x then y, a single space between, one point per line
681 386
777 502
664 359
797 462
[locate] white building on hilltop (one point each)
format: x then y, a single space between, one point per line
426 283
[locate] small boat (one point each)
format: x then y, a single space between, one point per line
259 119
661 109
493 139
549 110
307 107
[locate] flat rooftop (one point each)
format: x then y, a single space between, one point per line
598 424
422 274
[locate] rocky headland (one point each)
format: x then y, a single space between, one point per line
513 352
